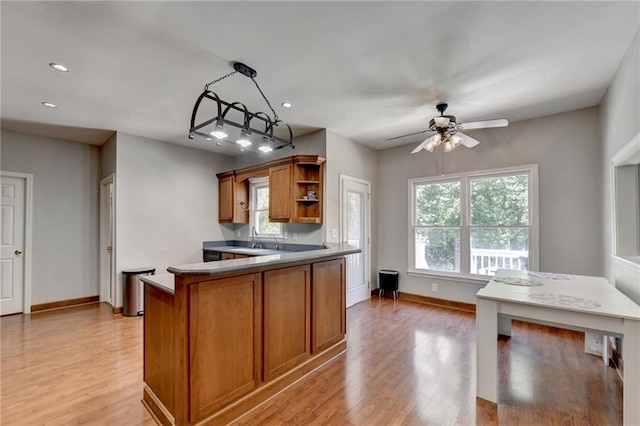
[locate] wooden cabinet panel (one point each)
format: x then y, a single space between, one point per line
328 325
226 186
225 342
280 193
286 319
231 193
160 358
227 256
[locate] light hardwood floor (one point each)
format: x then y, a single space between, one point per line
407 364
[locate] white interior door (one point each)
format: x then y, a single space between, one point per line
12 265
355 230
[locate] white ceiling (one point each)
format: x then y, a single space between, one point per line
366 70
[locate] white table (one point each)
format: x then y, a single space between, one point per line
585 303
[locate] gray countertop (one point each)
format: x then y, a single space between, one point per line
166 282
234 265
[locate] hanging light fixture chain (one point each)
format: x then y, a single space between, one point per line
275 116
206 86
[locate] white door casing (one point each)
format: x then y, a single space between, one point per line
355 229
107 241
15 238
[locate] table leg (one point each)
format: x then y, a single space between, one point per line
631 357
487 350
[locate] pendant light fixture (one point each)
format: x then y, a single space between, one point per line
220 120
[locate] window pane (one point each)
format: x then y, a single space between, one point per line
499 248
262 194
437 249
264 226
438 204
502 200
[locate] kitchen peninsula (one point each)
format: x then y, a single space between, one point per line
222 337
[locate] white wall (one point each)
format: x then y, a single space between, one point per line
65 213
620 110
166 204
346 157
108 157
567 149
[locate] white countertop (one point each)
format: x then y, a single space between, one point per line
581 294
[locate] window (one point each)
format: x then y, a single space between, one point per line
260 209
474 223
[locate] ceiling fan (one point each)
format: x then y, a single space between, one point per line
447 131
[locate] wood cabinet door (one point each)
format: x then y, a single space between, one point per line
287 320
224 342
328 312
225 199
280 193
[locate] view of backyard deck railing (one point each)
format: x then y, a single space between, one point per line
483 261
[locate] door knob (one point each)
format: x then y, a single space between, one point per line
18 252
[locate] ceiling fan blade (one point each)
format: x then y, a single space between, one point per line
421 146
410 134
467 140
485 124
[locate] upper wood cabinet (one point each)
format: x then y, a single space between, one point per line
295 190
226 183
280 193
231 194
308 175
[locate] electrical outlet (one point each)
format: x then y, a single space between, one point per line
334 233
434 287
238 234
294 235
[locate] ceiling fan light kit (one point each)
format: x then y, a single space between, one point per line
448 131
236 115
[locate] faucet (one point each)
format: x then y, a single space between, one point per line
254 234
276 240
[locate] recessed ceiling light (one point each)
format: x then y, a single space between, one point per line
50 104
287 104
58 67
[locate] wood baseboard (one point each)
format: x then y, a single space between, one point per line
116 310
452 304
64 303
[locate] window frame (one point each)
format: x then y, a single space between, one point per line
465 218
254 185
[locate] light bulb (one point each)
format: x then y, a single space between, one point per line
448 146
441 121
456 140
266 144
243 140
218 131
